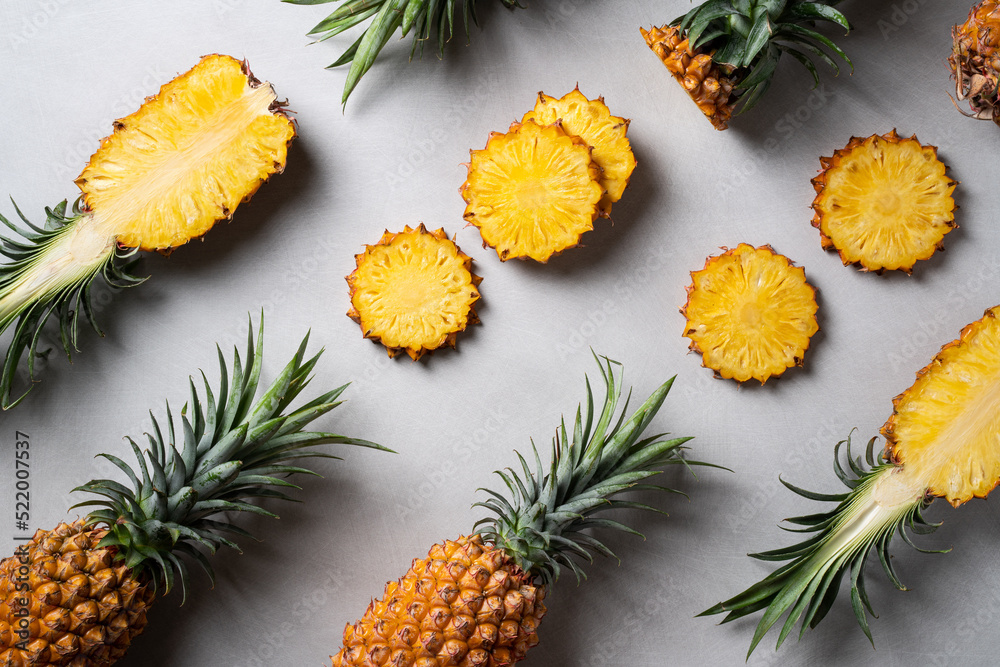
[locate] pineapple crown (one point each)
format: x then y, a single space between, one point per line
540 523
32 306
807 587
749 36
233 449
423 17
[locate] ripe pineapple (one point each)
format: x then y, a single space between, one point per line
413 291
725 52
185 160
975 61
940 442
77 595
884 202
533 191
750 313
591 120
478 600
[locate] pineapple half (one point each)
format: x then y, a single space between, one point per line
533 191
478 600
975 61
942 441
78 595
185 160
414 291
591 120
884 202
750 313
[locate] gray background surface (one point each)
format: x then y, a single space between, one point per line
70 67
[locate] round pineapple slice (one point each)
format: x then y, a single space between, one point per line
591 120
533 191
945 429
884 202
187 157
750 313
413 291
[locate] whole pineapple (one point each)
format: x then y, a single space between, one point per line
478 600
77 595
975 61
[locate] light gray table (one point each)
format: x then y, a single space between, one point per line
70 67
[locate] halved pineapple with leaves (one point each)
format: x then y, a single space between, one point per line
591 120
414 291
185 160
884 202
750 313
942 441
533 191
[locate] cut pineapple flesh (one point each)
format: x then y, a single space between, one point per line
414 291
187 157
884 202
533 191
750 313
945 429
591 120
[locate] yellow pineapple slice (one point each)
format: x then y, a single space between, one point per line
945 429
533 191
750 313
884 202
413 291
591 120
187 157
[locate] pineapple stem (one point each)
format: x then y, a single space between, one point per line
50 271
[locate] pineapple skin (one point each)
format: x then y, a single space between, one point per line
64 601
975 60
466 605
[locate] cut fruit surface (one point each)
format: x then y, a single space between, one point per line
750 313
591 120
187 157
884 202
945 429
533 191
413 291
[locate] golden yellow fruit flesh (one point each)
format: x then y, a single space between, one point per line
750 313
533 191
884 202
591 120
945 429
187 157
414 291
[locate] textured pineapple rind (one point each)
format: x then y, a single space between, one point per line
449 338
820 185
708 85
949 353
467 604
761 375
975 61
82 607
111 149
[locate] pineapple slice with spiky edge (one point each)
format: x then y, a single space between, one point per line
92 581
975 61
185 160
533 191
591 120
941 441
478 600
725 52
750 313
884 202
414 291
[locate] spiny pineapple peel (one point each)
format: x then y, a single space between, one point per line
533 191
750 313
884 202
414 291
975 61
